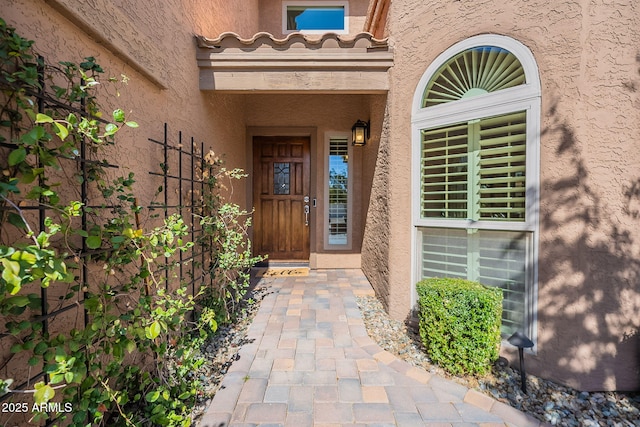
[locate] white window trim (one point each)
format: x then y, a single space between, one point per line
344 4
348 246
524 97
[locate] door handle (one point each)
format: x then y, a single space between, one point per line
306 215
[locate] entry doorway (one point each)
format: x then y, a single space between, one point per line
281 183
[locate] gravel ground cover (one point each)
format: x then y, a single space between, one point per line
546 400
222 350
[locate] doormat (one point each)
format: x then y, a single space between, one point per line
282 272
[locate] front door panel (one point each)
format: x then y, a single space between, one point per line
280 184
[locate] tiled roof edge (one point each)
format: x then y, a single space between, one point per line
230 39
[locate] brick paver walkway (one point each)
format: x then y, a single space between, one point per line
310 362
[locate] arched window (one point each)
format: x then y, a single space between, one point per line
475 127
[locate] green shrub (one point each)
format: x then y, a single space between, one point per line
460 324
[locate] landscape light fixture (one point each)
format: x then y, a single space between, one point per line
360 133
521 341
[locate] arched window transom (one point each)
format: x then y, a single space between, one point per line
474 72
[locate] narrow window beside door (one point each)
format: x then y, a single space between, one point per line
338 232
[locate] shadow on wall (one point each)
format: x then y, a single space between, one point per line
375 243
589 292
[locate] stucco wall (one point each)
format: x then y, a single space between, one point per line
214 17
588 53
160 41
375 244
168 32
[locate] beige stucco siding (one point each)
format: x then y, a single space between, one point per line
588 55
160 39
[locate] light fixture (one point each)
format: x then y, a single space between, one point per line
360 133
521 341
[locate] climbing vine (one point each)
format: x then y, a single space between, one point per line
132 360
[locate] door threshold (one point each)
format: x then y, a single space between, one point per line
283 264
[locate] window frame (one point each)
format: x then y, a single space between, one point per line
306 3
524 97
349 244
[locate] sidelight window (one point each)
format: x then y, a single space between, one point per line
338 193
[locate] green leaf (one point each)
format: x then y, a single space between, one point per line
61 131
92 304
25 324
118 239
118 115
152 396
41 348
16 220
80 417
57 378
131 124
152 331
43 118
34 135
10 275
24 256
110 129
44 393
94 242
18 301
28 176
17 156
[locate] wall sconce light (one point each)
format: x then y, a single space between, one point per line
521 341
360 133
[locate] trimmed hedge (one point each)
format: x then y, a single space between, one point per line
460 324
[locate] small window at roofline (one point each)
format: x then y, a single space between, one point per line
315 17
474 72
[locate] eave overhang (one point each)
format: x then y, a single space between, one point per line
299 63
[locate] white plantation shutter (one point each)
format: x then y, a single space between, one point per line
444 172
502 167
493 258
444 253
502 262
475 170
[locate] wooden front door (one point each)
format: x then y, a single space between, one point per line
281 197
